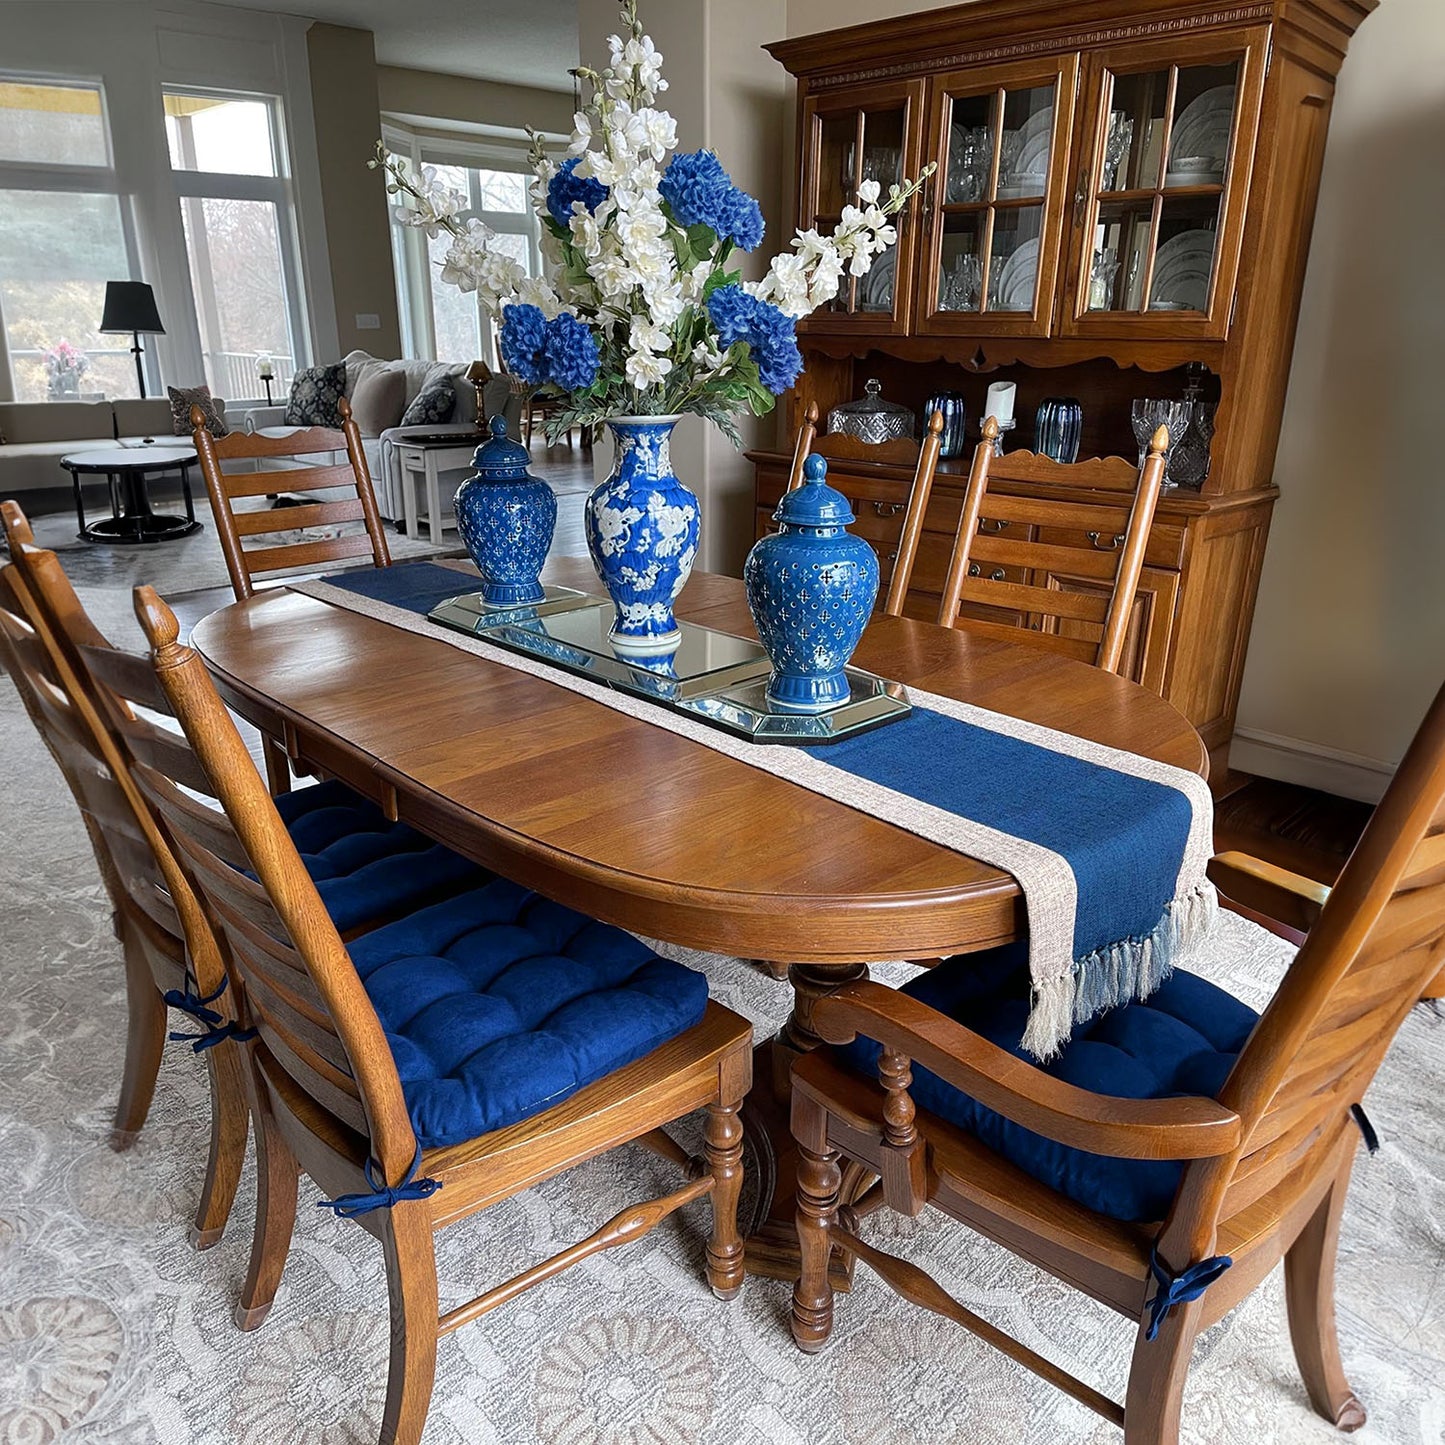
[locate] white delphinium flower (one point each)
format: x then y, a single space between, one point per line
646 335
663 299
586 234
646 63
612 273
641 227
645 368
535 291
581 134
785 285
706 357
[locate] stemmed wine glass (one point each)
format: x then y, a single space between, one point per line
1148 414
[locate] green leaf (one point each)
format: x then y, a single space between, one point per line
718 279
702 239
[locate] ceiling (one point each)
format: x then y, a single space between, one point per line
526 42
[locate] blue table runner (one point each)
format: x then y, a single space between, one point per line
1108 848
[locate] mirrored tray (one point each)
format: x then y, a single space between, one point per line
712 676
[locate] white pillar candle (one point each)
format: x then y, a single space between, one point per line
1001 402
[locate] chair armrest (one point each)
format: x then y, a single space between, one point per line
1180 1128
1269 894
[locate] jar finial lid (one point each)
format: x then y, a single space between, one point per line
501 459
815 503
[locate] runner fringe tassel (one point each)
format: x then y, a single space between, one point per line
1118 973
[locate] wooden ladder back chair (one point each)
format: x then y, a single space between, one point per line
236 527
169 951
1064 569
1267 1161
913 517
326 1095
804 444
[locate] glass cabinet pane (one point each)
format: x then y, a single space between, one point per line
1028 127
960 271
970 149
1013 267
1203 120
1184 257
836 165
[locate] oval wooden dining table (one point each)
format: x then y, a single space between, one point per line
650 831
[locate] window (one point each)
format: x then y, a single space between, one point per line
65 231
438 321
227 162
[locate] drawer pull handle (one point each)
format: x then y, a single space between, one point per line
987 525
974 570
892 557
1106 546
887 509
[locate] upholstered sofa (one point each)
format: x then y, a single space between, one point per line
38 433
379 443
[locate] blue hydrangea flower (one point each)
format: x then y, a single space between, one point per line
770 335
524 336
571 353
699 191
565 187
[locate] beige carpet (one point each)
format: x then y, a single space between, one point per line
113 1330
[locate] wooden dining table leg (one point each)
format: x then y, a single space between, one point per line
772 1247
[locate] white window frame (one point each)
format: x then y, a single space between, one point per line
227 185
409 246
83 180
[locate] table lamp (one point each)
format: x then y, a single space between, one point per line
479 374
131 306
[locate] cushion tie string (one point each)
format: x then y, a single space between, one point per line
383 1195
1366 1128
1179 1289
189 1003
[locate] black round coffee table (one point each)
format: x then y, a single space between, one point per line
125 469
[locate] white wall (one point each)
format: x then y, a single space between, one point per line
1348 645
136 46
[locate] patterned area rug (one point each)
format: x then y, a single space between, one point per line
113 1330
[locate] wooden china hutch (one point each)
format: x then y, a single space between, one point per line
1123 188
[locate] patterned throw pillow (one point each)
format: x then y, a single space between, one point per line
183 398
316 394
432 404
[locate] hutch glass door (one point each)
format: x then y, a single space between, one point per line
851 137
1000 136
1160 204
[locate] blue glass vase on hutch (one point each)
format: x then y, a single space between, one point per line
506 518
642 530
811 587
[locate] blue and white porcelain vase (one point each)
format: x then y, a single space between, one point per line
811 588
506 518
642 528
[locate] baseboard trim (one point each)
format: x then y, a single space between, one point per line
1310 765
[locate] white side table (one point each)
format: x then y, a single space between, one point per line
421 465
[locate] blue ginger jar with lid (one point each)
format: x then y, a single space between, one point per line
506 518
811 587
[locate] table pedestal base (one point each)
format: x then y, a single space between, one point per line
771 1250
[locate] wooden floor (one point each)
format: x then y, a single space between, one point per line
1301 829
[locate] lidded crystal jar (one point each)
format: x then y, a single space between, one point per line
871 419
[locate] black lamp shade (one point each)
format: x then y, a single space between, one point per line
131 306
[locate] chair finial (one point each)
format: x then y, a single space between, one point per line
1159 442
935 422
157 620
815 469
990 428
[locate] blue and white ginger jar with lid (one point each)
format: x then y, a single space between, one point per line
506 518
811 587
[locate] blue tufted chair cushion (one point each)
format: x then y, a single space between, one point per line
1183 1039
499 1003
364 865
